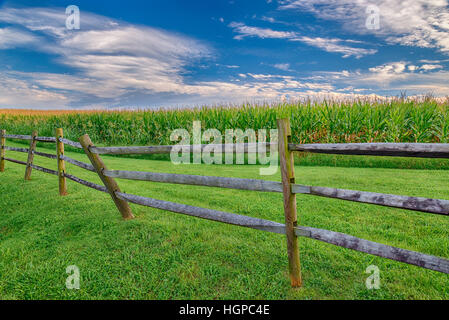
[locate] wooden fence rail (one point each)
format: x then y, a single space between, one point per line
206 181
71 143
24 150
377 249
388 200
287 187
45 170
46 139
86 183
15 161
17 137
78 163
235 148
45 155
436 206
417 150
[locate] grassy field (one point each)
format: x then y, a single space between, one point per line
397 120
162 255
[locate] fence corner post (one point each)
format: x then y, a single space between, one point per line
30 156
2 150
61 163
109 183
288 178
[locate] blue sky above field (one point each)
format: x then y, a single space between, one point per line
184 53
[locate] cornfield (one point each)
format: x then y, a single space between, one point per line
396 120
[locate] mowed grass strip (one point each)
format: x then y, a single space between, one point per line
163 255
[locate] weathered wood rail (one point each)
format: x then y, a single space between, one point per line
288 187
206 181
78 163
336 238
236 148
417 150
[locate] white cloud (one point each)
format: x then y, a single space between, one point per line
391 78
326 44
282 66
51 21
268 76
12 38
395 68
421 23
135 41
433 61
264 33
15 92
335 45
269 19
431 67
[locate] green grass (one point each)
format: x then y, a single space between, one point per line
163 255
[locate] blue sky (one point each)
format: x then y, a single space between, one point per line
184 53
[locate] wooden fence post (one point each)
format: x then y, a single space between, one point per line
288 178
2 151
109 183
31 156
61 163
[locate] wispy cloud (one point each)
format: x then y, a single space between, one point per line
337 46
18 92
421 23
264 33
431 66
12 38
282 66
392 77
327 44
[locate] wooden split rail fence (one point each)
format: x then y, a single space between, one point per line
287 187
